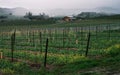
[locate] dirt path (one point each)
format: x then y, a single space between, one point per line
99 71
1 73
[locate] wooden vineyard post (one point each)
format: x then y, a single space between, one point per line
76 42
12 44
33 39
1 55
40 42
88 41
50 34
45 61
63 39
81 37
28 36
55 34
109 32
2 36
96 31
89 28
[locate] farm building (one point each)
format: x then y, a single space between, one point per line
68 19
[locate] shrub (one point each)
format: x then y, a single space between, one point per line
113 50
7 71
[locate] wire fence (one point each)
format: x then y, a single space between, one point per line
29 44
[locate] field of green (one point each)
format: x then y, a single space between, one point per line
67 47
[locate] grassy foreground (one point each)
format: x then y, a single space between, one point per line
104 64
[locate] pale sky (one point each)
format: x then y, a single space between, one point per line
52 4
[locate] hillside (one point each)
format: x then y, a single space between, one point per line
117 16
15 11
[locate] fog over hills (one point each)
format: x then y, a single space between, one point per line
61 7
63 12
19 11
108 10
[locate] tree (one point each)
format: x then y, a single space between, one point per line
3 17
10 13
28 15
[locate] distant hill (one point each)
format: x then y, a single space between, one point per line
89 15
5 11
15 11
117 16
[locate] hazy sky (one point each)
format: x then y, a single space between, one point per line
52 4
